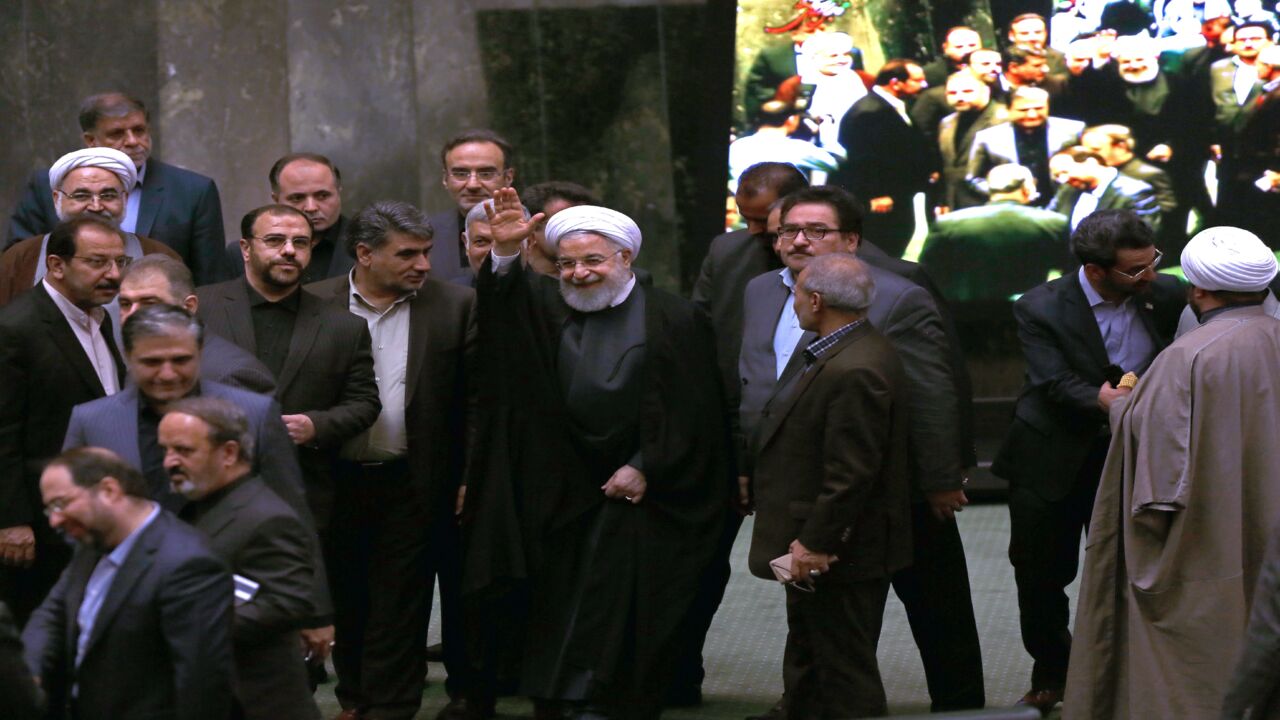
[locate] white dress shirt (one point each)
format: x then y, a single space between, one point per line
388 437
787 333
87 327
1087 202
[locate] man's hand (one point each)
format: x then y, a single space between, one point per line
17 546
882 205
301 429
1215 152
946 503
1160 153
743 503
317 642
941 210
460 502
625 484
804 561
1108 395
507 223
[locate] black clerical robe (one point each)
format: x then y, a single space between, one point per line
609 580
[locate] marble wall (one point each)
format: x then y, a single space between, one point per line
604 93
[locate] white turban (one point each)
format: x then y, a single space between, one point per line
598 220
1228 258
99 157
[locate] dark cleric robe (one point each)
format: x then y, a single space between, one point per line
569 398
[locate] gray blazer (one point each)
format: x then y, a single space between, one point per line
222 361
955 154
996 146
906 314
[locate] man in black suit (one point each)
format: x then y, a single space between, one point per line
209 459
935 590
57 349
139 624
160 280
889 160
832 489
474 165
1092 186
313 184
1080 334
178 207
400 482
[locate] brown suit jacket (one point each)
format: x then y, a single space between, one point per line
831 468
18 264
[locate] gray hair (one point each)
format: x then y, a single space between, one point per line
843 281
227 421
477 214
181 283
158 320
374 224
1010 177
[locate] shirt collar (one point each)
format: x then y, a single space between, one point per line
121 551
888 97
71 312
625 292
788 278
822 345
1108 176
1092 296
353 295
142 176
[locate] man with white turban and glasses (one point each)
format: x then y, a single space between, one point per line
601 478
1189 499
92 181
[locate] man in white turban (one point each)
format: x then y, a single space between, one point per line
1189 499
604 465
91 181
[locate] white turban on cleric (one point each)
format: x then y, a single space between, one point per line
1228 258
100 157
594 219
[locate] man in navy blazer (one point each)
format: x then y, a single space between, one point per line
139 624
178 207
474 165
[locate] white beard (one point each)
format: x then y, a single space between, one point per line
594 297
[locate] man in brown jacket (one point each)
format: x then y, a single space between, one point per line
841 512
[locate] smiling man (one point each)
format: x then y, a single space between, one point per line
177 207
473 166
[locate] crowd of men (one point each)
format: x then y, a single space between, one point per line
222 464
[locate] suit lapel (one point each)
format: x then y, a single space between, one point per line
304 335
152 198
126 579
219 516
78 573
238 316
947 139
419 334
64 337
109 337
780 406
1080 316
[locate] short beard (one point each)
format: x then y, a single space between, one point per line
594 297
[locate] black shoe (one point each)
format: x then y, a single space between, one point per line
683 696
777 712
435 653
464 709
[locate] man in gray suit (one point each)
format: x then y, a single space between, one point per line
474 165
935 591
161 280
1029 139
1092 186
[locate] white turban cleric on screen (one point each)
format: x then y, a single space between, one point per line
100 157
1228 258
594 219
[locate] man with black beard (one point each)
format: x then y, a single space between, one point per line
602 464
974 111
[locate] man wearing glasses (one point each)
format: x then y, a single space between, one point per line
1081 335
57 350
474 166
91 181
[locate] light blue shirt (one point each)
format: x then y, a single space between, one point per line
787 334
134 203
1129 345
100 583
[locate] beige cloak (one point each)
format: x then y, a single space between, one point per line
1189 497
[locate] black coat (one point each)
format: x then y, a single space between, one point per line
179 208
161 643
886 155
533 501
327 375
1057 418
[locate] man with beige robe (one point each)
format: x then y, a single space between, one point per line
1189 498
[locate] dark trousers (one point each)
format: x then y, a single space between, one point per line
688 672
1044 547
829 667
384 549
935 591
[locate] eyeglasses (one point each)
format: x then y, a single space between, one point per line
58 505
486 175
98 263
811 233
590 261
86 197
275 242
1135 274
